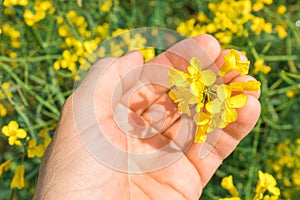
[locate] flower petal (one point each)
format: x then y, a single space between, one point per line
13 125
197 88
176 78
195 62
5 131
237 101
213 106
223 92
200 135
209 77
21 133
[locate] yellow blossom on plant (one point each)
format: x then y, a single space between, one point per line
15 2
233 62
260 67
227 183
5 166
148 53
35 150
5 86
265 183
291 93
41 8
3 110
296 178
281 9
14 133
18 179
44 134
106 5
281 31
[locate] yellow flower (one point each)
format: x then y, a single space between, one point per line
5 166
266 182
260 67
106 5
15 2
41 7
177 78
63 31
148 53
233 62
296 178
14 133
250 86
5 86
224 106
202 121
199 79
44 134
3 110
291 93
35 150
227 183
184 98
18 179
281 9
281 31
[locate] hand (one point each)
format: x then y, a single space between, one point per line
70 171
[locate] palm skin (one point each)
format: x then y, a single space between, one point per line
69 171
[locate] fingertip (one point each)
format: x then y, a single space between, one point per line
210 44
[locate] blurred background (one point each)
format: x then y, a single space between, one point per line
44 43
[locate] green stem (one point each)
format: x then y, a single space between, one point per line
27 88
253 50
280 57
29 59
256 131
283 90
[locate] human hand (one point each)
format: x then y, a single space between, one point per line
69 169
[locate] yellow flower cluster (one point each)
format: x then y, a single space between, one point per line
8 3
77 47
231 18
38 150
259 4
13 34
6 90
259 66
41 8
266 183
130 43
14 133
287 167
216 104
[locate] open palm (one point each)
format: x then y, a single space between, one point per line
69 168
